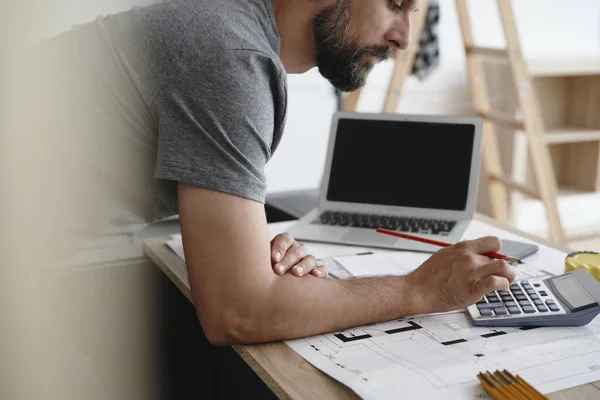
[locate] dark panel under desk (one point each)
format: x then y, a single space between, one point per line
191 367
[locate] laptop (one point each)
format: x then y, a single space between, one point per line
410 173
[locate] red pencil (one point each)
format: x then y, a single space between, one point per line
444 244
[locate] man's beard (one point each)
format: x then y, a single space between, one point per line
339 55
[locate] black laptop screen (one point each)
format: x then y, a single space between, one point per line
401 163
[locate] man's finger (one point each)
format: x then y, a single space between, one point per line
292 256
498 268
320 272
490 284
280 245
305 266
484 245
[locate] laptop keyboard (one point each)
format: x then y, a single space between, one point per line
402 224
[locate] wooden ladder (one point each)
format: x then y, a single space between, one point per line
531 123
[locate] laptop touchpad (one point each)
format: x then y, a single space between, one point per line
364 236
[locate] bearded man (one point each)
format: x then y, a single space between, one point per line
175 108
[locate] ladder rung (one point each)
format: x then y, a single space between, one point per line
487 51
516 186
572 135
501 118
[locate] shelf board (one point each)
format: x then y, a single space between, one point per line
572 135
540 67
567 191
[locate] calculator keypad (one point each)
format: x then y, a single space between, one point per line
524 297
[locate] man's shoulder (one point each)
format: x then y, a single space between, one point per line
204 26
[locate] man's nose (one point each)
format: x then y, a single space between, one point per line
399 36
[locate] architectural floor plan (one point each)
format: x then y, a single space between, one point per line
440 355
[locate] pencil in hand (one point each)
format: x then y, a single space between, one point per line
444 244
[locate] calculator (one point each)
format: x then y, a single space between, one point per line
572 299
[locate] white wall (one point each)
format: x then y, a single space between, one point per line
547 28
55 16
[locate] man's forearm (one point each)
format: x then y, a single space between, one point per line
292 307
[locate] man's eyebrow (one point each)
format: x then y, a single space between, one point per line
412 3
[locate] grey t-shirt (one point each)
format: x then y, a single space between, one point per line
222 101
188 91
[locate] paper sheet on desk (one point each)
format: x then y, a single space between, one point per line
545 262
397 263
402 263
176 245
439 356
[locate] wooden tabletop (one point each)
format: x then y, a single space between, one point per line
287 374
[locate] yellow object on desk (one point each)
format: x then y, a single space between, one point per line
502 385
584 259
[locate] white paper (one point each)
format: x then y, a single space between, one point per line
361 266
439 356
388 263
176 245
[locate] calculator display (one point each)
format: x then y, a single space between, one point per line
573 292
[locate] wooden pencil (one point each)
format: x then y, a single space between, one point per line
534 390
402 235
502 385
522 390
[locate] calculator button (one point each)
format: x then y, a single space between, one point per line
534 297
524 303
528 309
542 308
482 301
514 310
511 303
524 282
553 307
488 305
503 293
542 293
521 297
518 292
530 291
507 298
537 285
538 302
514 286
486 312
500 311
492 299
549 301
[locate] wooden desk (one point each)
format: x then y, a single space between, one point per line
287 374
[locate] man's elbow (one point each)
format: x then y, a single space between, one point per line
232 326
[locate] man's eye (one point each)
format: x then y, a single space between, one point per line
396 5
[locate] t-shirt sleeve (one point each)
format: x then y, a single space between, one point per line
217 121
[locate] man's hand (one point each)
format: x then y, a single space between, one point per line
460 275
287 254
